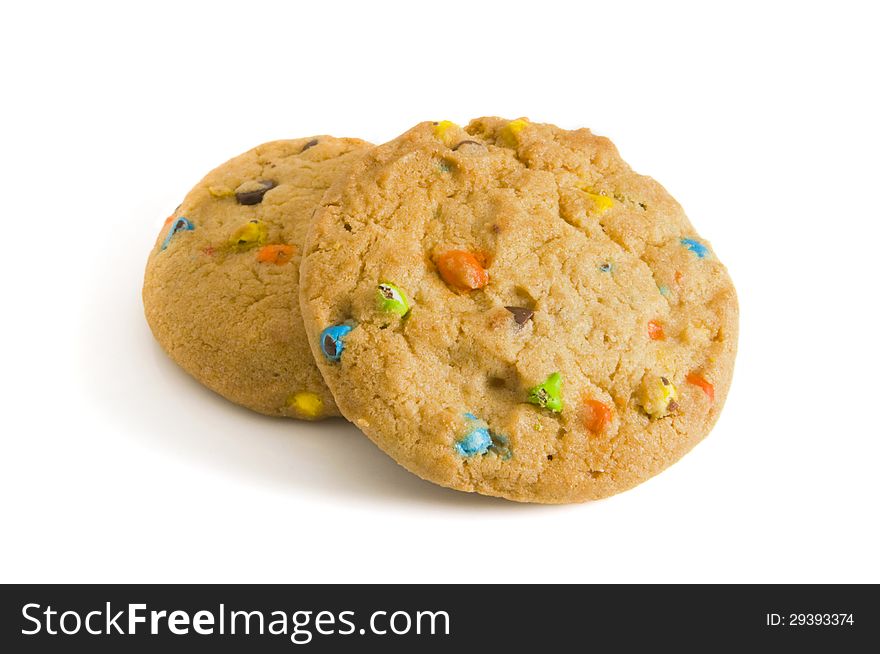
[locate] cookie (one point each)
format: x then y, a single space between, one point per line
509 309
221 285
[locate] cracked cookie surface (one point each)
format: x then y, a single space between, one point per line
508 308
221 285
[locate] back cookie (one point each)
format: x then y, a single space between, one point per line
221 285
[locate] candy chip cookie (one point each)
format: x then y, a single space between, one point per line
508 308
221 285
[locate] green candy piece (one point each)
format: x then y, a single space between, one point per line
392 299
548 394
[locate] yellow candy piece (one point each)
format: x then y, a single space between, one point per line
509 132
249 235
220 191
601 203
657 396
441 131
518 125
306 404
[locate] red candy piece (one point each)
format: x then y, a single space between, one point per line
698 380
278 254
597 415
461 270
655 330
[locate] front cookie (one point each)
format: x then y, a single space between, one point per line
509 309
221 284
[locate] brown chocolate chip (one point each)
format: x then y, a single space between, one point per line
465 143
673 406
329 346
251 195
521 315
665 381
308 145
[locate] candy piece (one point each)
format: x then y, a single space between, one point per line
179 225
664 290
332 343
279 254
521 315
168 221
516 126
476 442
601 203
605 267
462 270
678 276
306 404
655 330
658 396
308 145
697 379
548 394
477 439
597 415
696 247
444 166
392 299
252 191
508 134
445 130
221 191
251 234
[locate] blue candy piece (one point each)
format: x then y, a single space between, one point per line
664 290
179 225
331 341
605 267
476 442
480 440
696 247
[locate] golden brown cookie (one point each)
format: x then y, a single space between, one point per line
221 285
509 309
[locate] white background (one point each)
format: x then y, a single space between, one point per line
762 119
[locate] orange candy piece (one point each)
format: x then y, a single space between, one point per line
597 415
462 270
278 254
655 330
697 379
